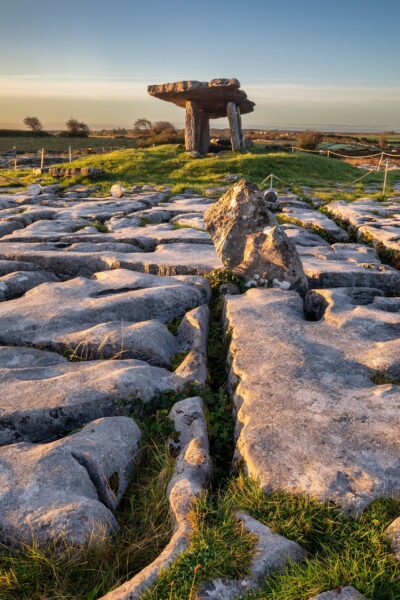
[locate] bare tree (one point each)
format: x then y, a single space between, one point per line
142 127
34 124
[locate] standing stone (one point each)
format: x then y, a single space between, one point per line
232 113
241 135
240 212
204 137
249 241
271 257
192 127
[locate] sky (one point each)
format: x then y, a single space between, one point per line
326 64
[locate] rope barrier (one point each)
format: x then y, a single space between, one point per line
272 176
343 155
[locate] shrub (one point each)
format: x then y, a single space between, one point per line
309 140
165 137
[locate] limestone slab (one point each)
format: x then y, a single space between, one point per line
347 265
64 492
309 419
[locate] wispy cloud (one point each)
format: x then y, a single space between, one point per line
123 89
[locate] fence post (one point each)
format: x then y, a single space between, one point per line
385 177
42 159
70 154
15 157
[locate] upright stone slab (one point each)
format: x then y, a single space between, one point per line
204 137
232 113
241 134
192 127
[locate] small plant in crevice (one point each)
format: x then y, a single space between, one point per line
173 325
219 547
380 378
178 359
100 226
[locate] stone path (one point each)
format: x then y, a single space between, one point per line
88 290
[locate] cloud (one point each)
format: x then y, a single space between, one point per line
120 89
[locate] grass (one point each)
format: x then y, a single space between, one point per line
35 574
342 551
170 165
313 227
61 144
100 226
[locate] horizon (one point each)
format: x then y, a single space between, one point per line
331 67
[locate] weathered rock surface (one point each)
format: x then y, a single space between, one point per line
149 341
167 259
378 222
65 491
249 241
190 478
309 418
239 213
272 553
17 283
192 337
347 265
393 534
44 395
211 97
52 310
270 257
314 220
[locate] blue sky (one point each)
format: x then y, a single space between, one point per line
312 63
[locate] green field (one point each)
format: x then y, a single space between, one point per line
61 144
170 165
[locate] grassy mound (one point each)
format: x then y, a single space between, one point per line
170 165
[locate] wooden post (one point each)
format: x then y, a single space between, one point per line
70 154
41 159
385 177
192 126
15 157
204 137
232 114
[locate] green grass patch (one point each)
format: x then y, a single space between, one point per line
100 226
170 165
380 378
35 574
219 548
61 144
342 550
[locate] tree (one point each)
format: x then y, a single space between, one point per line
77 129
142 127
161 126
34 124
